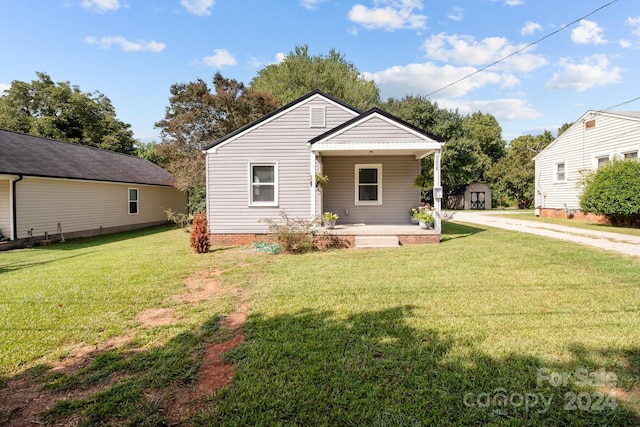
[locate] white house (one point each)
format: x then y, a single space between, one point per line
50 187
268 166
592 141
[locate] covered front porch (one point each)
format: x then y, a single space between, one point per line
371 163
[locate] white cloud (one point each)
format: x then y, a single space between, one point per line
256 63
625 44
311 4
502 109
514 2
220 58
100 5
389 15
530 28
466 50
588 32
198 7
456 14
126 45
593 71
399 81
635 24
4 87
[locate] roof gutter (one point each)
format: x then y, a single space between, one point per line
15 210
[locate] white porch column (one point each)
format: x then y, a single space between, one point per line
437 191
312 171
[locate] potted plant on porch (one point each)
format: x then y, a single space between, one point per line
425 219
329 219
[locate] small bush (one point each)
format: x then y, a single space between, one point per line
294 234
614 191
200 233
178 218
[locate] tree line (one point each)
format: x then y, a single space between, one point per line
198 113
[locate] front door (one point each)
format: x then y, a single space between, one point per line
477 200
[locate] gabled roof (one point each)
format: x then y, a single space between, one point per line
278 112
28 155
622 115
364 116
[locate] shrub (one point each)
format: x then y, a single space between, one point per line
178 218
614 191
294 234
200 233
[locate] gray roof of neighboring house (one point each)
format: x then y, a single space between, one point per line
28 155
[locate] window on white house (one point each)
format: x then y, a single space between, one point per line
317 117
560 172
601 161
133 201
368 184
630 155
263 183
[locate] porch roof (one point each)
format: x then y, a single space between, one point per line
375 133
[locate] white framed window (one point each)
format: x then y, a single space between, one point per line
133 201
263 184
630 155
600 161
560 171
317 117
368 184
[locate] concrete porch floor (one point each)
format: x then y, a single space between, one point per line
402 234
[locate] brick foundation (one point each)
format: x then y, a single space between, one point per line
418 239
577 215
322 241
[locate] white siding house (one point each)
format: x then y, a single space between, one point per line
270 166
48 186
592 141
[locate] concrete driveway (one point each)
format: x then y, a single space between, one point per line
621 243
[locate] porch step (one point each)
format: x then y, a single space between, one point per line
377 242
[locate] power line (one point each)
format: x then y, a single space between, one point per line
622 103
521 49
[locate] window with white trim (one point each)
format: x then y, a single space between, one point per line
368 184
133 201
317 117
560 172
630 155
601 161
263 183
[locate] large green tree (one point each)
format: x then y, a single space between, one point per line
513 176
62 111
300 73
472 143
198 115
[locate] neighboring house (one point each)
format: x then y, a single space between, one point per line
591 142
475 196
269 166
47 186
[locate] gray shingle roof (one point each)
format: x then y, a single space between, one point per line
28 155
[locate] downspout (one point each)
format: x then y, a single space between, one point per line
15 209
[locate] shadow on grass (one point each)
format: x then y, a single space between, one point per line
453 230
116 386
87 242
373 368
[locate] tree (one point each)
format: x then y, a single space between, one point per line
614 191
472 143
300 73
513 176
195 117
62 111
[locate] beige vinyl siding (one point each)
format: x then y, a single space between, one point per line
578 148
398 193
42 203
5 207
282 140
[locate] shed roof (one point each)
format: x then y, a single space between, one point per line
28 155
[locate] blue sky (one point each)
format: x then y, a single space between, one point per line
132 51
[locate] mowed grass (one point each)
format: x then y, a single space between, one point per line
490 327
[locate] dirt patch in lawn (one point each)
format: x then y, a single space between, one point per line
23 400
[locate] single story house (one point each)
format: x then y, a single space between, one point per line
272 165
474 196
54 187
592 141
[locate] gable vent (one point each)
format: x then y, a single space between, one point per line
590 124
317 117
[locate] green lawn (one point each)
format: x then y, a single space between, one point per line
490 327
